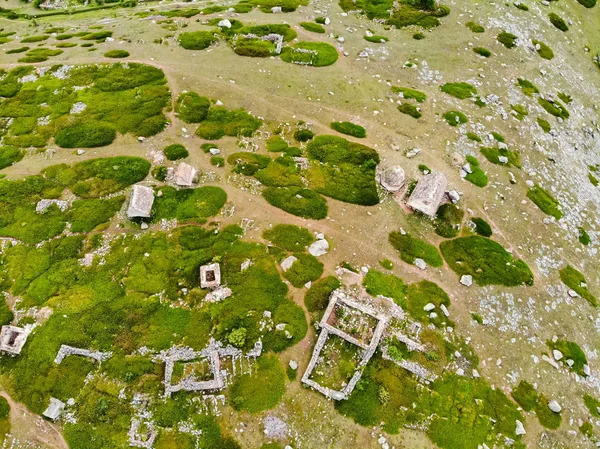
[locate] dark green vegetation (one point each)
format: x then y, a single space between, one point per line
558 22
477 175
39 55
317 296
584 238
194 205
509 40
387 264
528 398
13 51
487 261
481 51
88 180
475 27
482 227
289 237
298 201
9 156
542 49
544 124
587 3
409 109
448 220
576 281
4 418
262 389
555 108
303 135
410 94
421 13
545 201
191 107
319 54
570 351
455 118
376 39
175 152
33 39
528 87
474 137
377 283
412 248
426 292
306 269
119 99
116 54
221 121
520 111
592 404
197 40
313 27
494 154
349 129
217 161
459 90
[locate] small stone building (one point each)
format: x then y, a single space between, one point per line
12 339
185 175
428 194
140 202
55 409
392 178
210 275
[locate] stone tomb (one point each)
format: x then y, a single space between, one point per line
210 275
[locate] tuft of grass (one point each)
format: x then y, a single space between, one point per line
320 54
526 396
289 237
33 39
418 36
459 90
116 54
544 124
377 283
410 94
527 87
317 296
482 227
592 404
542 49
584 238
455 118
303 135
175 152
297 201
558 22
474 137
520 111
475 27
587 3
387 264
306 269
13 51
409 109
570 351
545 201
313 27
522 6
221 121
217 161
575 280
448 220
593 180
197 40
487 261
349 129
555 108
411 248
509 40
493 155
191 107
481 51
376 39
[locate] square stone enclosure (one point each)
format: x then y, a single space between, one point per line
210 275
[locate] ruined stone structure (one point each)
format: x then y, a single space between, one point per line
13 338
43 205
185 175
210 275
140 202
138 438
340 299
428 194
392 178
54 410
70 350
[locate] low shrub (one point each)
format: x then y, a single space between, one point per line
411 248
376 39
317 296
448 220
545 201
306 269
576 281
418 36
191 107
509 40
312 27
542 49
409 109
481 51
116 54
555 108
544 124
482 227
459 90
558 22
319 54
86 135
175 152
289 237
349 129
297 201
487 261
455 118
475 27
197 40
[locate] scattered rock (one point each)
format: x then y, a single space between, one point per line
319 248
557 354
288 262
520 428
420 263
428 307
554 406
466 280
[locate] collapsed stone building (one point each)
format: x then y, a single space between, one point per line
210 275
185 175
392 178
140 202
54 410
66 350
13 338
428 193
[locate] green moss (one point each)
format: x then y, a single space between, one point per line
592 404
317 296
555 108
33 39
455 118
544 124
584 237
526 396
409 109
306 269
482 227
487 261
547 417
545 201
493 155
426 292
570 351
289 237
520 111
448 220
477 176
349 129
507 39
377 283
116 54
175 152
481 51
410 94
558 22
544 51
191 107
197 40
459 90
221 122
188 204
475 27
376 39
411 248
312 27
320 54
160 173
576 281
13 51
304 203
387 264
474 137
527 87
262 389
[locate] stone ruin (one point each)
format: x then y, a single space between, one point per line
139 438
277 39
43 205
428 194
392 178
417 369
340 299
54 410
140 202
312 54
13 338
302 163
210 275
185 175
70 350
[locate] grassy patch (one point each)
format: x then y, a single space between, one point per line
554 108
520 111
297 201
558 22
116 54
306 269
526 396
477 175
527 87
474 137
221 121
487 261
289 237
312 27
583 237
475 27
410 94
175 152
570 351
587 3
303 135
317 296
426 292
376 39
377 283
509 40
316 54
261 390
387 264
592 404
33 39
481 51
448 220
542 49
545 201
13 51
482 227
459 90
188 204
349 129
576 281
85 215
412 248
191 107
197 40
494 154
10 156
409 109
455 118
544 124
